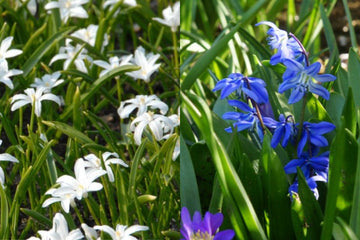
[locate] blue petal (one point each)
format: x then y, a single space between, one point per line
269 122
319 141
270 24
319 90
216 221
313 69
321 127
260 92
325 78
231 116
287 135
297 94
292 165
302 142
293 65
242 125
241 105
238 76
276 137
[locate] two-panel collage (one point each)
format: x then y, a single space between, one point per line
179 119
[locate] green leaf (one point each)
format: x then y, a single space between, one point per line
354 73
355 210
342 168
312 211
43 49
69 131
189 192
276 188
37 216
4 214
349 112
346 229
95 86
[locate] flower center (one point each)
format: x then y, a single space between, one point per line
201 236
67 4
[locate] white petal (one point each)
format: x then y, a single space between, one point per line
12 53
52 5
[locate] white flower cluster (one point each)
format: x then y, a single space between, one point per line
161 126
5 53
60 231
5 157
87 170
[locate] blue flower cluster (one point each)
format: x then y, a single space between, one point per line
252 98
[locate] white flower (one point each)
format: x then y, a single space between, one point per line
5 73
4 46
171 17
33 97
122 232
147 64
92 161
5 157
69 8
68 53
88 35
65 195
60 230
176 152
131 3
48 81
142 103
83 181
31 6
113 63
156 122
90 233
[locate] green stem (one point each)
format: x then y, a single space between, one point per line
78 214
92 212
302 116
176 57
32 118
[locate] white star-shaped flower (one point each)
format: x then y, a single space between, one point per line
5 45
122 232
142 103
5 73
69 8
88 35
171 17
92 161
113 63
147 62
83 181
60 230
48 81
34 98
111 3
68 53
64 195
8 158
156 122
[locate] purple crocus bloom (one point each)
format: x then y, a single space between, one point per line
284 129
310 165
300 79
286 47
205 229
313 132
247 120
250 86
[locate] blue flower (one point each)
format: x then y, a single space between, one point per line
283 129
286 47
310 166
250 86
311 183
247 120
313 132
300 79
206 228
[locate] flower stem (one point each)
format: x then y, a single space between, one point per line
302 48
176 58
302 116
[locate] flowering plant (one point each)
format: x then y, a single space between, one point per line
276 125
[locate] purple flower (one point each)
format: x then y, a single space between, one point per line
247 120
206 228
283 129
300 79
249 86
313 132
286 47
